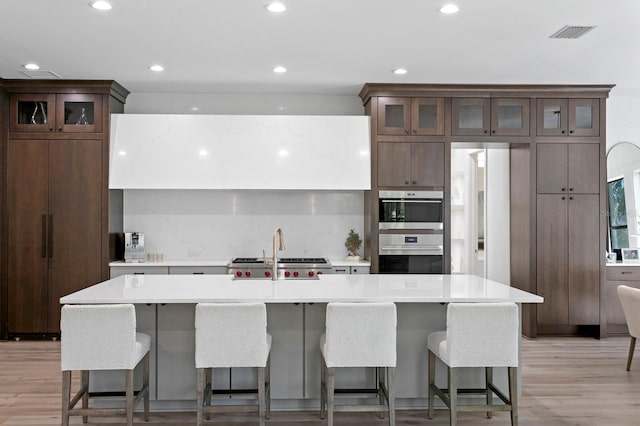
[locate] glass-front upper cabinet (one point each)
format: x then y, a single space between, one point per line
410 116
484 117
56 113
568 117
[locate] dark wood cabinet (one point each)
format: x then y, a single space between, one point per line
568 168
568 259
490 116
410 116
54 196
57 226
71 112
402 164
568 117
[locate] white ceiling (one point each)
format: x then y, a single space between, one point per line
329 46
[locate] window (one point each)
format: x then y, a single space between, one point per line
618 230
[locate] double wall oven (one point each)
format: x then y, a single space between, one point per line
411 237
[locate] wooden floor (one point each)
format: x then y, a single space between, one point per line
566 381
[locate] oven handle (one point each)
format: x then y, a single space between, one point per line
432 250
413 201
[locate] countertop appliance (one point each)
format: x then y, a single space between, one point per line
288 267
134 247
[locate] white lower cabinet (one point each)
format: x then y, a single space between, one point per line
350 269
116 271
284 323
176 352
197 270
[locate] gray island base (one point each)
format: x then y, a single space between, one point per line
165 308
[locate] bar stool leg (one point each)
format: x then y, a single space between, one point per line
453 396
200 385
632 347
268 386
145 385
488 371
66 396
513 394
331 381
208 390
382 380
129 396
261 397
432 381
84 383
391 394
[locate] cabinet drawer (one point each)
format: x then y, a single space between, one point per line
623 273
116 271
197 270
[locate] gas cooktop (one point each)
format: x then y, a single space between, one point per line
288 267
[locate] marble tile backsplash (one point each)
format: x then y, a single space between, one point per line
207 224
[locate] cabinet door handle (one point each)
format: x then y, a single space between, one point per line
493 131
415 131
571 198
486 131
626 272
571 132
406 182
138 273
407 131
44 235
563 132
60 128
51 128
198 273
50 236
564 189
570 189
414 182
563 197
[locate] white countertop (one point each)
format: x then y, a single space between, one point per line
328 288
623 264
222 262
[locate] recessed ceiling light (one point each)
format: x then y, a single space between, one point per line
122 153
203 153
448 9
195 108
156 68
276 7
100 5
279 69
400 71
32 66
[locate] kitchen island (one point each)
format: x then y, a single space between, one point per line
295 315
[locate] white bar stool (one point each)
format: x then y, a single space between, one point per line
359 335
231 335
477 335
630 300
102 337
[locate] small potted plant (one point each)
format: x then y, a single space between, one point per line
353 244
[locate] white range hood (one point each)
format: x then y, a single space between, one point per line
160 151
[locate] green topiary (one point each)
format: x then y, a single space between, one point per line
353 243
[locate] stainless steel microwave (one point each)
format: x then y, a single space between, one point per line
411 210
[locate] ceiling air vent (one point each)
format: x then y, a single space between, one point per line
569 31
40 74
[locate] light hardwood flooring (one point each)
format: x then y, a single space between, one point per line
566 381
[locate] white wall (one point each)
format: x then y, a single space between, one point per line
623 124
200 224
221 224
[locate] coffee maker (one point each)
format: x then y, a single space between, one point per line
134 247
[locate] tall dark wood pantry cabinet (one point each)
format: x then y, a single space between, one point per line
57 197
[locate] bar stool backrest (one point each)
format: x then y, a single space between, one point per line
98 337
360 335
231 335
482 334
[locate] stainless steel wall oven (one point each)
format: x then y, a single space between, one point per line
411 210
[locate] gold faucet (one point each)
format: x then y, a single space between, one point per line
277 232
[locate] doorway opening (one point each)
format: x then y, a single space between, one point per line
480 211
